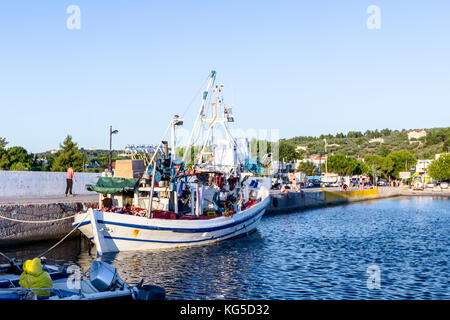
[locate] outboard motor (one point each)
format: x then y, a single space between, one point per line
104 276
151 292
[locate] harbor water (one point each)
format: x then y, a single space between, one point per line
394 248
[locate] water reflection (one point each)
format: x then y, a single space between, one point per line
317 254
67 252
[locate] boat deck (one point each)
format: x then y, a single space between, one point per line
161 214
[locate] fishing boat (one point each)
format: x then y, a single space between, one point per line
218 195
103 283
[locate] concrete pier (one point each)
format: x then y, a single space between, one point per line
37 209
319 197
44 208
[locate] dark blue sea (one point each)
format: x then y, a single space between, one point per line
383 249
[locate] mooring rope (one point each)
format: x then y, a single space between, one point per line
47 221
64 238
44 221
36 221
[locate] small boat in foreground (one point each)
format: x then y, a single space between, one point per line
104 283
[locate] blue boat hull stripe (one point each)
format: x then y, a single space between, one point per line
174 242
181 230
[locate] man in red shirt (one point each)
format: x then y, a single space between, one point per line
70 176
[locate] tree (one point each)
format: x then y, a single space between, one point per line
4 160
386 132
3 143
38 164
343 165
287 152
387 166
436 136
354 134
439 169
20 166
18 154
340 164
19 159
14 158
373 161
68 154
402 161
446 146
307 167
360 167
383 165
383 151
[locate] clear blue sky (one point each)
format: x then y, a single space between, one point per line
303 67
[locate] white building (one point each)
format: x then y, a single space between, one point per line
301 148
416 134
422 165
380 140
313 159
42 160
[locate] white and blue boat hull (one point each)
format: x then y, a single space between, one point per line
118 232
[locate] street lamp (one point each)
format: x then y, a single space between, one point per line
111 132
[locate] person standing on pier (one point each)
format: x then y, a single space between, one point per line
70 176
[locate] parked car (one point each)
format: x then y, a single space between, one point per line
381 182
313 183
443 185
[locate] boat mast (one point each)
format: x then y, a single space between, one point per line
174 122
219 120
211 124
212 78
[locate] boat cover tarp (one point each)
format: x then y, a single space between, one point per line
110 185
34 276
253 165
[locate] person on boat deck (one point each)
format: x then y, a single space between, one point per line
106 202
70 176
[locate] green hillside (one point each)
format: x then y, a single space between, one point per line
357 144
